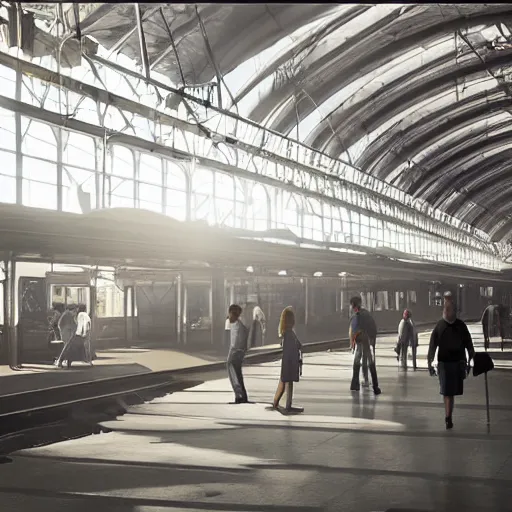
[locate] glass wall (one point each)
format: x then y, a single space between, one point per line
60 169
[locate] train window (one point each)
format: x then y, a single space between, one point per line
109 300
381 301
486 291
411 296
198 304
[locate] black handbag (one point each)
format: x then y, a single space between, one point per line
483 363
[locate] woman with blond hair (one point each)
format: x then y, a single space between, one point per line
291 361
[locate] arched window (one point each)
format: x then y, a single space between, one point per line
120 188
202 195
224 199
78 172
150 182
292 213
176 191
258 208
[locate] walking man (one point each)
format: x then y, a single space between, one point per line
238 335
361 325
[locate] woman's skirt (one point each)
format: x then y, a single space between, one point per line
451 378
75 351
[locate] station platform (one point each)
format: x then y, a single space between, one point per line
117 362
348 451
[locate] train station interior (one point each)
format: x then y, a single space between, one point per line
162 162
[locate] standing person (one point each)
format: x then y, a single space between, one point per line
372 335
361 325
407 337
239 335
291 361
451 339
67 327
53 322
83 337
487 320
258 328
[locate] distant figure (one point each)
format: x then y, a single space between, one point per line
67 328
451 338
362 326
291 361
79 348
239 335
487 322
407 337
504 323
258 328
53 322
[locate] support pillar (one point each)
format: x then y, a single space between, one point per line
217 307
179 310
93 309
306 301
10 331
184 318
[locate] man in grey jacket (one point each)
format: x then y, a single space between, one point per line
239 335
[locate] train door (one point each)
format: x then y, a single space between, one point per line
156 311
32 318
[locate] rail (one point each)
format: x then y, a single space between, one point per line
67 395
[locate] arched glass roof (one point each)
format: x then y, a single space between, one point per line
416 95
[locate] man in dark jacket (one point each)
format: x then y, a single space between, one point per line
451 340
362 331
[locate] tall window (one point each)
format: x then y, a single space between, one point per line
120 187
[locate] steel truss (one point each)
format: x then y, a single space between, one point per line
332 201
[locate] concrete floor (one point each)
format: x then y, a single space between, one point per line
350 452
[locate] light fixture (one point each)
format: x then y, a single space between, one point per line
282 273
342 274
249 269
318 274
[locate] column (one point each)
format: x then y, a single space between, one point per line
10 331
184 325
217 307
179 309
306 301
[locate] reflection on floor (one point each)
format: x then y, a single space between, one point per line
346 452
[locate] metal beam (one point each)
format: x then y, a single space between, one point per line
173 46
119 44
142 42
318 153
109 98
131 141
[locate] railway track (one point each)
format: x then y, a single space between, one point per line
55 414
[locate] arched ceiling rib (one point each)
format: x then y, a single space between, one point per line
413 135
455 139
324 72
235 33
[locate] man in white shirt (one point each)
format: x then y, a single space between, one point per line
239 335
84 331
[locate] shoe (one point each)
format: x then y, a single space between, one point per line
449 423
354 388
365 384
377 390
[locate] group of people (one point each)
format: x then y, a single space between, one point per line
450 339
291 362
72 325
